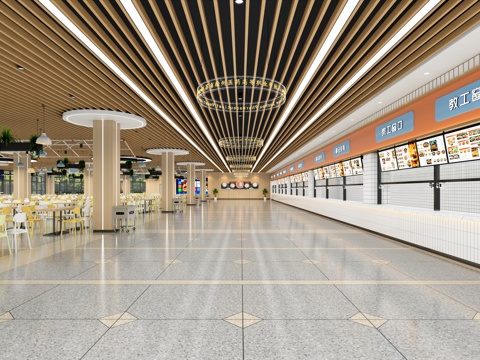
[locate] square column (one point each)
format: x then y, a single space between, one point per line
370 181
311 184
22 180
203 185
106 172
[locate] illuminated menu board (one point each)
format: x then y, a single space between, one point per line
347 168
462 145
332 171
432 151
388 161
357 166
318 174
338 170
407 156
305 176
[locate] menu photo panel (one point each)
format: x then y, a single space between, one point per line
347 168
357 166
463 145
432 151
407 156
388 160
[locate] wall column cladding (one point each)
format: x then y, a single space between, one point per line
370 183
22 180
289 186
311 184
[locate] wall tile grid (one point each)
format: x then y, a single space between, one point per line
414 195
370 184
451 233
335 192
355 193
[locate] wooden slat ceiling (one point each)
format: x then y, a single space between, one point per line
204 40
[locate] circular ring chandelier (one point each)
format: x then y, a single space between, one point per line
240 142
241 158
241 166
276 91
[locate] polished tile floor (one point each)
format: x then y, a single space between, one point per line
235 280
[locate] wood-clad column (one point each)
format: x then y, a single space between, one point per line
106 172
22 180
191 184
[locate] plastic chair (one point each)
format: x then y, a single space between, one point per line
7 211
3 232
74 220
18 220
87 217
32 218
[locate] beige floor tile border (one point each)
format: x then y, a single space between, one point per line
239 282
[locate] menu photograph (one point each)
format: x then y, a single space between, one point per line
326 172
357 167
338 170
388 160
331 170
318 174
407 156
463 144
432 151
347 168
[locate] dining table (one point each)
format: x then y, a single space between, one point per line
55 210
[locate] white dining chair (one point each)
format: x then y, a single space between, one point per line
18 220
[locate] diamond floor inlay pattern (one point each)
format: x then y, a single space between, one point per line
6 317
243 320
368 320
117 319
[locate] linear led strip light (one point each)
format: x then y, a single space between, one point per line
386 48
92 47
152 44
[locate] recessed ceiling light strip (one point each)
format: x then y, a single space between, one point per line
386 48
347 11
152 44
90 45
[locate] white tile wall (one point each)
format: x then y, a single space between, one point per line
414 195
370 185
448 232
460 196
335 192
355 193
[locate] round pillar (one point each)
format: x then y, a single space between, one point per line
106 158
203 184
191 180
168 174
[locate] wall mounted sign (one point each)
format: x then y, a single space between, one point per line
458 102
395 127
320 157
292 168
239 185
300 165
342 148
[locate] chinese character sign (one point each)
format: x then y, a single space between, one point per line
458 102
398 126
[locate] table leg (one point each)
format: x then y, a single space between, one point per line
54 221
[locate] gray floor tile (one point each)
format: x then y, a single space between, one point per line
47 270
295 302
190 255
360 270
202 271
147 255
80 302
262 255
57 339
294 339
405 302
268 243
170 340
436 270
469 295
400 255
124 270
14 295
88 255
162 243
287 270
434 339
336 255
188 302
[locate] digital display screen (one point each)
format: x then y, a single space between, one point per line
407 156
388 160
462 145
181 188
432 151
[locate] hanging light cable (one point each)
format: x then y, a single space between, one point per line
44 139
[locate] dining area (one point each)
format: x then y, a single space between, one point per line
42 216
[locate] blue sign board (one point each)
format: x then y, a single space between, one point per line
300 165
398 126
458 102
319 157
342 148
292 168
